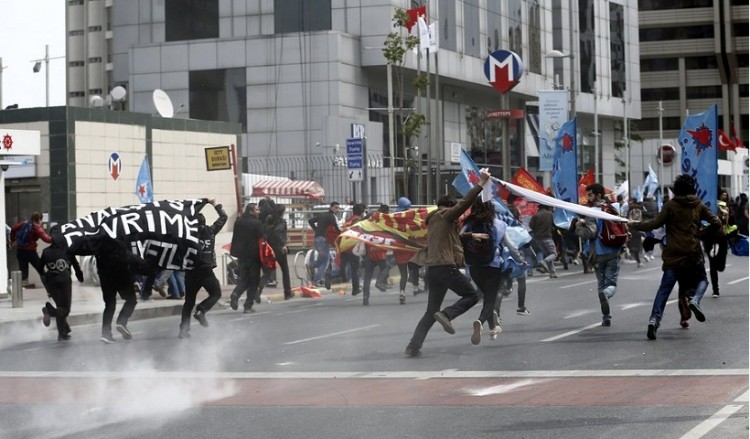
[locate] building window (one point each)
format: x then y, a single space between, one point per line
447 27
494 26
659 5
219 95
660 94
740 30
617 49
535 37
659 64
515 30
191 19
76 94
76 64
703 92
301 15
75 2
75 33
95 91
587 44
95 28
743 60
652 123
471 28
95 59
677 33
701 63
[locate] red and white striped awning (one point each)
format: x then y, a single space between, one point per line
288 188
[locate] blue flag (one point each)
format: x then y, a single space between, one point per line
143 188
565 171
698 139
651 183
469 177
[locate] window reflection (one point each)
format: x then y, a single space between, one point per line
219 95
191 19
301 15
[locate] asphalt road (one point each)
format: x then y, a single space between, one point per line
331 368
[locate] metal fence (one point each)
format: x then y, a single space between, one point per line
331 172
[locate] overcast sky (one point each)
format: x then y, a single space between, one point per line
27 25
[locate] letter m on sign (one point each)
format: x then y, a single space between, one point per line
503 70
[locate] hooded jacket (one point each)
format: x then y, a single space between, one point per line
443 241
56 261
682 216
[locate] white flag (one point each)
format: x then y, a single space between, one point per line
651 182
424 34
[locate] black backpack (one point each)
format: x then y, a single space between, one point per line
479 251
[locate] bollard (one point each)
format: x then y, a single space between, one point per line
16 289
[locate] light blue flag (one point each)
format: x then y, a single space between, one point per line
638 194
469 177
651 182
143 188
698 139
565 172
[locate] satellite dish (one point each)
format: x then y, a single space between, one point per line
162 103
118 93
96 101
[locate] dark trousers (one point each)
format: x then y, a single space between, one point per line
110 289
488 280
26 258
283 264
351 261
408 271
507 288
369 271
441 279
59 288
249 272
195 279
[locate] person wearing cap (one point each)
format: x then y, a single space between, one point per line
202 275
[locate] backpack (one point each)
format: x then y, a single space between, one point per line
479 251
613 234
23 235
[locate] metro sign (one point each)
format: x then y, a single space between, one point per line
503 70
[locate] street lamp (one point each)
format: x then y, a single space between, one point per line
660 109
38 66
556 54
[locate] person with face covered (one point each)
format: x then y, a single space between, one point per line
202 275
56 263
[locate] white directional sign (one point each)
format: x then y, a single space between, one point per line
354 159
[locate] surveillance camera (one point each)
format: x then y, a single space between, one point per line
4 167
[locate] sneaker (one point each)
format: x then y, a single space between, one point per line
495 332
356 291
107 338
381 287
640 265
184 332
257 295
552 276
45 316
476 336
523 311
651 332
233 302
496 318
63 337
365 301
696 308
441 318
161 289
411 351
685 324
123 330
288 295
417 291
201 317
609 292
247 311
715 295
606 322
402 298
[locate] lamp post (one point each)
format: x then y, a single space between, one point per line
660 109
556 54
38 66
596 133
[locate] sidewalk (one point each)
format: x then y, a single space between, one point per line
87 305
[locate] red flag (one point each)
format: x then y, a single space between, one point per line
738 143
725 143
524 179
413 14
587 179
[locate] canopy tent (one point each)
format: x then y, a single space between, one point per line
288 188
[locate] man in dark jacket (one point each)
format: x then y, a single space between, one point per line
202 274
682 255
443 257
247 232
275 229
326 228
56 265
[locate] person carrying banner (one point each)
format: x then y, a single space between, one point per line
202 275
326 228
23 236
443 258
682 256
247 232
56 265
607 258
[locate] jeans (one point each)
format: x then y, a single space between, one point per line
606 275
324 256
176 284
692 277
442 278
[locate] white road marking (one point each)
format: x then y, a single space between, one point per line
417 375
742 398
592 281
304 340
505 388
574 332
738 280
709 424
578 314
249 316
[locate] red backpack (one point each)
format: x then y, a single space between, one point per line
613 234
